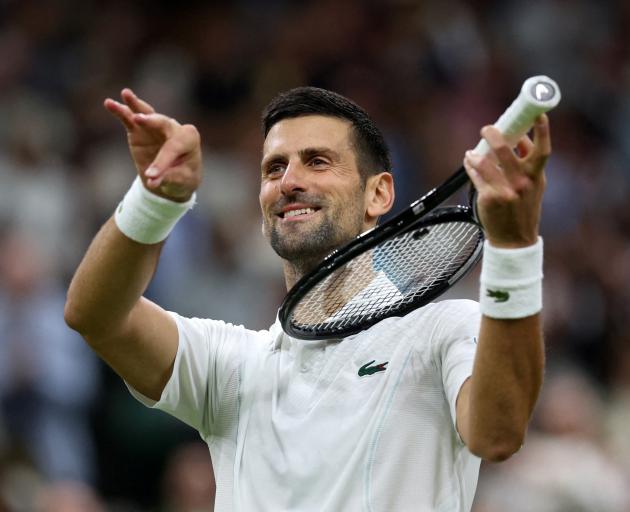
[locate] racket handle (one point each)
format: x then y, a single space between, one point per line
538 94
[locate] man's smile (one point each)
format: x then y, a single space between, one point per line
297 212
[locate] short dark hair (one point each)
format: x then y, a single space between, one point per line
371 148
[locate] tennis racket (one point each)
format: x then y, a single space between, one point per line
409 260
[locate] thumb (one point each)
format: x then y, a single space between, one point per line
167 157
183 141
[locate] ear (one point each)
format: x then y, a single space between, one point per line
379 196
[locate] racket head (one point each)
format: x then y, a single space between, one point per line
389 271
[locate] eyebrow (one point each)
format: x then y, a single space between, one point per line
304 154
307 153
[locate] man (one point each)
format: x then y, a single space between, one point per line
393 418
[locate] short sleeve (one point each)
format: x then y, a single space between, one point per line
455 346
207 358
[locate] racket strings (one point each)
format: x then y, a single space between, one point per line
387 278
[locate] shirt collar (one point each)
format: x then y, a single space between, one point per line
277 334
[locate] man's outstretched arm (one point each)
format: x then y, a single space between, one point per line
495 404
137 338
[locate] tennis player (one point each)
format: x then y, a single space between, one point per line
396 417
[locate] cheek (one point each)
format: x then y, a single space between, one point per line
269 187
265 197
354 199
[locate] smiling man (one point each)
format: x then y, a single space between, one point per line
320 186
395 417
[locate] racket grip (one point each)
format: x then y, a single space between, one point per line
538 94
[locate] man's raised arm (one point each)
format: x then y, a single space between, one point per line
495 404
137 338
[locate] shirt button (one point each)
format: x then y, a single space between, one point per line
303 367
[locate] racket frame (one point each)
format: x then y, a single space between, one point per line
538 94
419 214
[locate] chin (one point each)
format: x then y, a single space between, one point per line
308 243
306 251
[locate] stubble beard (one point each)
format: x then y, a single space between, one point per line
303 249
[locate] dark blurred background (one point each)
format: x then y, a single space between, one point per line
431 73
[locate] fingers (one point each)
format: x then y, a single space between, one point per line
480 168
156 123
502 150
524 146
542 143
180 145
510 184
478 182
125 111
530 157
489 170
498 144
535 153
136 104
122 112
157 126
167 154
487 177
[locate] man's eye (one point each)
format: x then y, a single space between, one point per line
318 161
275 169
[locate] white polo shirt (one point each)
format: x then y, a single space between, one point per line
366 423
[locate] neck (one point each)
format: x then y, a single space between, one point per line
293 271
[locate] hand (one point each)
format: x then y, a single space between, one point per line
167 154
510 186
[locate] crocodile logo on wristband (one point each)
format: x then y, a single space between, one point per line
498 295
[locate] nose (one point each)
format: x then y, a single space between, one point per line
294 178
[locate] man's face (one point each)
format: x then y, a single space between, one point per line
311 194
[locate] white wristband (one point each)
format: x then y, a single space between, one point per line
148 218
511 281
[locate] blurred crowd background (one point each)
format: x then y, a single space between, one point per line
431 73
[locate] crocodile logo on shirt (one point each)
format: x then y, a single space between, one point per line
498 295
367 369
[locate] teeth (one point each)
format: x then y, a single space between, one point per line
301 211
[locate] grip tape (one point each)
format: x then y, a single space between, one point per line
538 94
